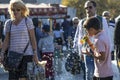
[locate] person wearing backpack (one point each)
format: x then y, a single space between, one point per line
38 34
90 8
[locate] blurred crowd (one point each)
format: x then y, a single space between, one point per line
53 39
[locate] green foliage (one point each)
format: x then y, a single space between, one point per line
110 5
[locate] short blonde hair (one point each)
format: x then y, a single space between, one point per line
18 4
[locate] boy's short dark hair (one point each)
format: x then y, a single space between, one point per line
57 27
46 28
94 3
92 22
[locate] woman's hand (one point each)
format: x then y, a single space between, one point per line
35 58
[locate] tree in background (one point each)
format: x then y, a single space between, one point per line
102 5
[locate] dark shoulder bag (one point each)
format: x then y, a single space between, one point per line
13 59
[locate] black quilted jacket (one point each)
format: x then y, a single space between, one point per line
117 33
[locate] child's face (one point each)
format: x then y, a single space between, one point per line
91 31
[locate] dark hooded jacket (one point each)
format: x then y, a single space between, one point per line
117 33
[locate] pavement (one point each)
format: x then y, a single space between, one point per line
65 75
116 75
3 73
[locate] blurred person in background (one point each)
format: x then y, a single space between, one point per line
38 34
58 35
66 28
75 21
58 53
111 28
117 41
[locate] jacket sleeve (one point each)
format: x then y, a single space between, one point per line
117 33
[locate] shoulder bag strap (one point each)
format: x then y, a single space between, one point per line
28 35
10 32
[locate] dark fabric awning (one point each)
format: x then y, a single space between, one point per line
39 9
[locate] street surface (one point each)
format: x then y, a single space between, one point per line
65 75
3 74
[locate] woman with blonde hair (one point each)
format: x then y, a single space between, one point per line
19 33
